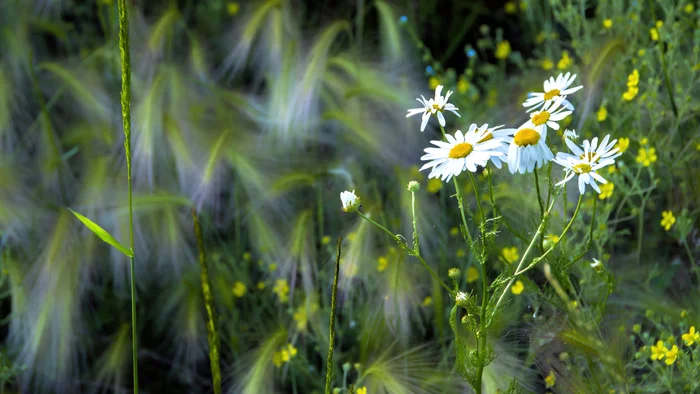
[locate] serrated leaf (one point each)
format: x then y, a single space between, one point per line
102 233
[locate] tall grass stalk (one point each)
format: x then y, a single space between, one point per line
126 120
331 335
213 335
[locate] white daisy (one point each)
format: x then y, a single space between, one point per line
553 89
350 201
571 134
461 152
551 113
434 106
528 148
587 161
503 135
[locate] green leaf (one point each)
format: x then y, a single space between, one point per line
103 234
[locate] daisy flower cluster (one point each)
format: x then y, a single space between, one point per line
524 148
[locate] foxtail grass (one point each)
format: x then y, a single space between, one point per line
213 335
126 120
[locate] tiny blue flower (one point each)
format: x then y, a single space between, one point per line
429 70
471 52
403 19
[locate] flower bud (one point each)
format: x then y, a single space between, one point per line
413 186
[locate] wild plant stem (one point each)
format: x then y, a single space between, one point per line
213 337
126 120
331 338
416 241
541 203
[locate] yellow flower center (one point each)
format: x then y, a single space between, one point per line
540 118
436 106
487 137
549 95
526 137
582 168
460 150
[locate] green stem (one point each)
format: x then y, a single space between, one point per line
331 338
667 81
476 195
126 120
460 204
541 203
416 242
213 335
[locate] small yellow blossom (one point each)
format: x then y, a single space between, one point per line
573 304
659 24
517 287
382 263
550 380
612 169
239 289
689 8
684 313
602 114
622 144
247 256
654 34
667 220
427 301
644 141
511 8
272 267
434 186
361 390
565 61
691 336
462 85
325 240
630 94
285 355
472 275
433 82
606 190
553 238
607 23
277 359
523 5
261 285
672 355
282 290
637 328
547 64
351 237
454 231
461 253
641 52
658 351
232 8
511 254
301 318
646 156
502 50
292 350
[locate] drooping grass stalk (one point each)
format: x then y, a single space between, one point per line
213 334
331 337
126 121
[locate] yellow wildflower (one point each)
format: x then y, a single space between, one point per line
361 390
630 94
633 79
433 82
272 267
684 313
462 85
461 253
517 287
454 231
282 290
606 190
565 61
553 238
654 34
641 52
550 380
292 350
672 355
232 8
622 144
472 275
511 254
239 289
285 355
547 64
351 237
644 141
325 240
612 169
646 156
502 50
573 304
659 24
658 351
523 5
691 336
434 185
261 285
427 301
382 263
602 114
301 319
511 8
607 23
689 8
667 220
277 359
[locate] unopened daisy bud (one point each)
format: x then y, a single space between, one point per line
413 186
597 265
350 201
571 134
346 367
454 273
461 299
357 367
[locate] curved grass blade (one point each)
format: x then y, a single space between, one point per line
103 234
